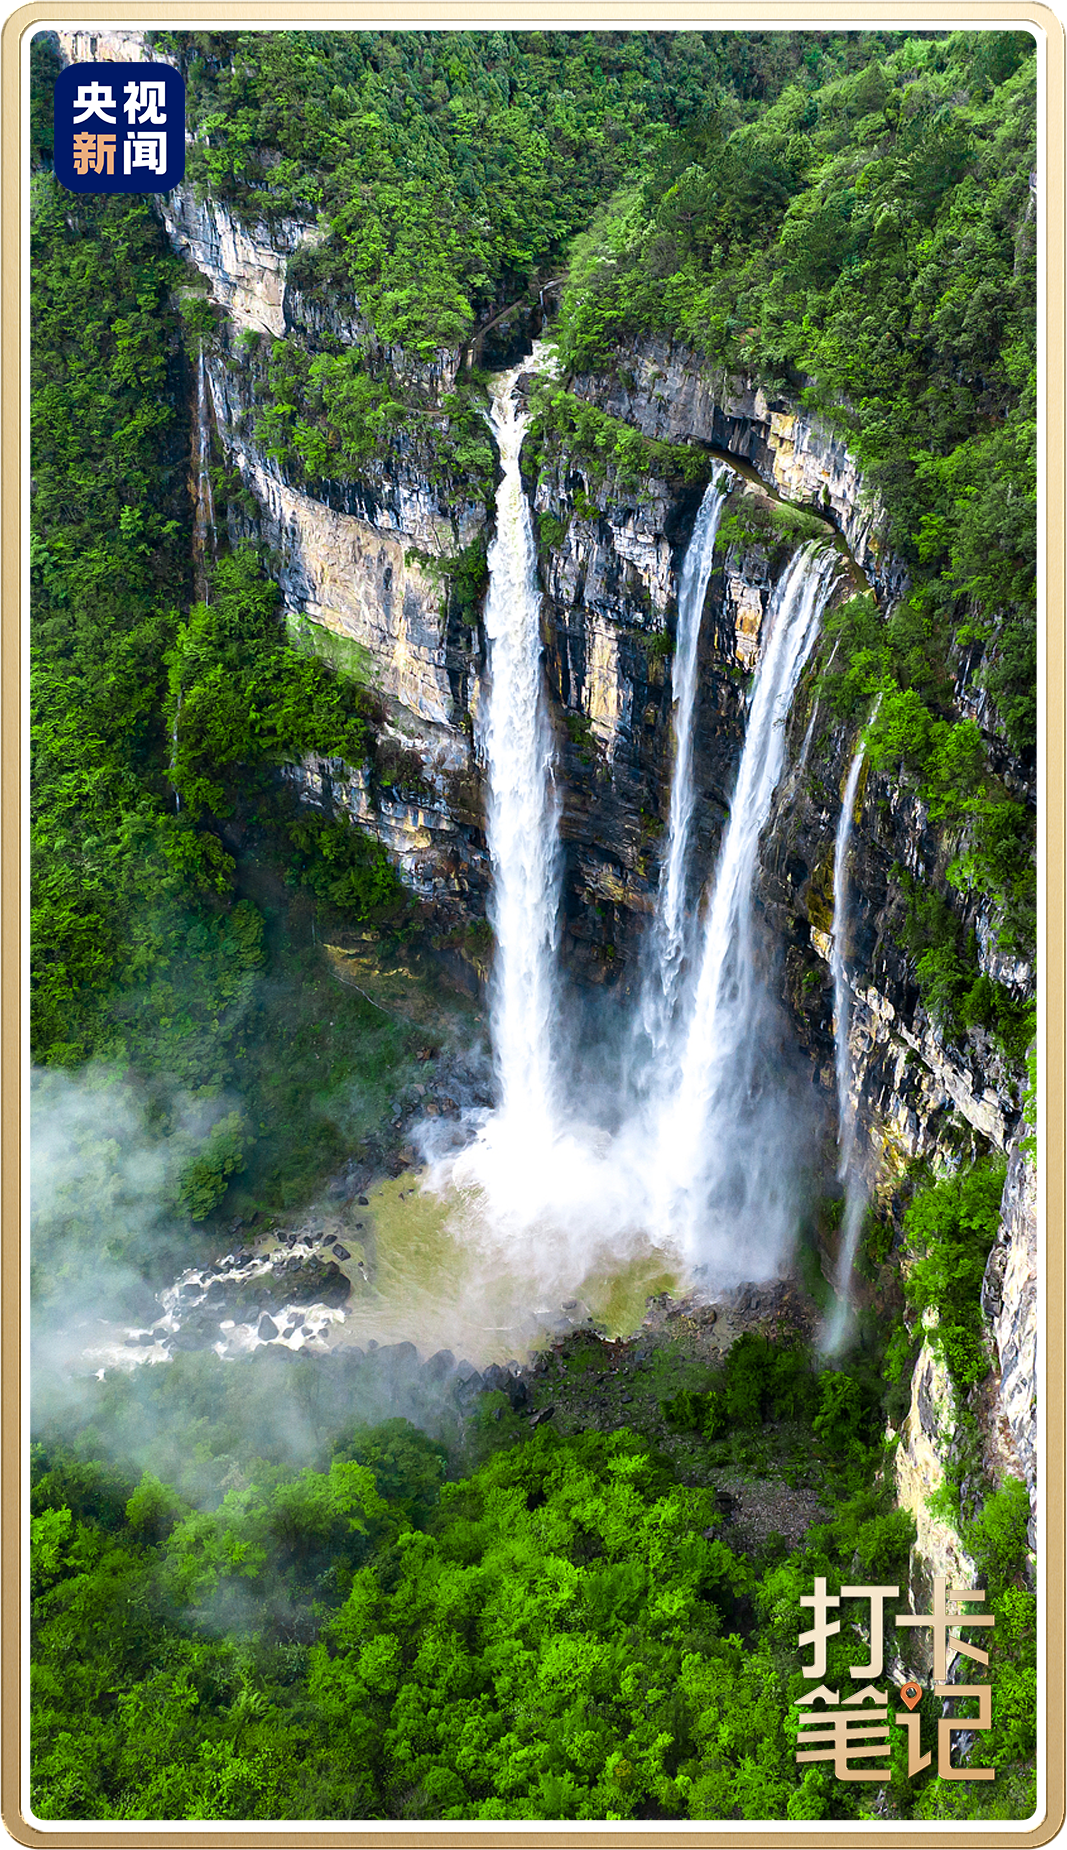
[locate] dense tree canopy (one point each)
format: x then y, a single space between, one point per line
451 167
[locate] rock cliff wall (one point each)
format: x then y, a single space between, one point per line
666 392
367 559
1011 1303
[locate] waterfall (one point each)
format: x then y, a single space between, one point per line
204 513
699 1161
174 746
522 811
846 1117
670 930
855 1188
716 1174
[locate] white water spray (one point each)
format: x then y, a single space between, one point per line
557 1186
522 811
670 930
855 1187
551 1195
719 1187
204 522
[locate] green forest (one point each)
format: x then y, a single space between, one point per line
248 1602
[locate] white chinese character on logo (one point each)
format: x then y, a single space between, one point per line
841 1737
145 151
941 1621
145 102
94 99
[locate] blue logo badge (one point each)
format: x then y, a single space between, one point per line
119 128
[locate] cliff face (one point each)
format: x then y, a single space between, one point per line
916 1094
1010 1302
667 393
365 559
359 558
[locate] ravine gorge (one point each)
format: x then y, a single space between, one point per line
534 924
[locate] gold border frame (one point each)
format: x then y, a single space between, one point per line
392 14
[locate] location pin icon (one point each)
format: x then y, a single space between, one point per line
911 1692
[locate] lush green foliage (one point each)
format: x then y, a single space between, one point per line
149 950
949 1229
562 1634
566 426
871 245
451 168
832 1415
894 671
108 550
277 1611
326 416
240 697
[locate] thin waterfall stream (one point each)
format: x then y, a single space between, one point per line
713 1187
855 1186
671 924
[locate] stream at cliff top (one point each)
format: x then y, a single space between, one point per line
558 1203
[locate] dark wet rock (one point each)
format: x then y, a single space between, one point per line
329 1239
545 1413
267 1329
507 1381
362 1202
198 1331
398 1359
341 1252
467 1386
146 1338
440 1366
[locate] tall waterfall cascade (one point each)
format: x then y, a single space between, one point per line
693 1156
855 1188
515 1161
204 537
670 929
710 1173
523 814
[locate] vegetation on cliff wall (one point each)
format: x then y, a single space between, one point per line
453 167
276 1614
149 948
875 238
870 247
